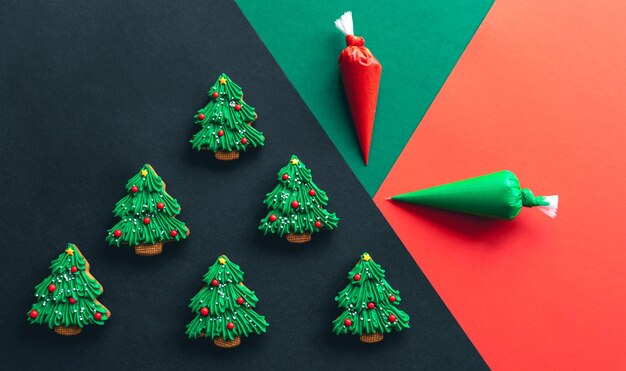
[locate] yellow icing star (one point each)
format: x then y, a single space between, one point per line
222 81
222 261
367 257
144 172
69 251
295 161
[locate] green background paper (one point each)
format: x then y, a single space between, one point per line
418 43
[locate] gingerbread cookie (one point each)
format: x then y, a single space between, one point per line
224 307
296 206
370 304
148 215
226 122
67 298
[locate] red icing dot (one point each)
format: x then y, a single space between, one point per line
240 300
117 233
33 314
272 218
72 301
173 233
215 94
371 305
74 269
52 287
318 224
244 140
357 277
285 176
295 204
391 318
347 322
134 189
312 192
392 298
230 325
237 107
146 220
214 282
220 133
201 116
97 316
160 206
204 311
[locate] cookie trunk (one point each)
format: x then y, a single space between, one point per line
220 342
371 338
68 330
149 250
226 156
298 237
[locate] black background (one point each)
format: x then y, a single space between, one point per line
92 91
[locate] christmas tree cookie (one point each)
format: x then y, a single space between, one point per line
224 307
148 215
66 299
296 206
370 304
226 122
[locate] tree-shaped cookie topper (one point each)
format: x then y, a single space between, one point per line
66 299
148 215
226 122
371 305
296 206
224 307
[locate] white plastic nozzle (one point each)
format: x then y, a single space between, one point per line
344 23
550 210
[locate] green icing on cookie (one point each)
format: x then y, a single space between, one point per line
296 204
370 304
67 297
147 212
225 302
226 120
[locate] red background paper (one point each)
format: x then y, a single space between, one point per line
539 91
